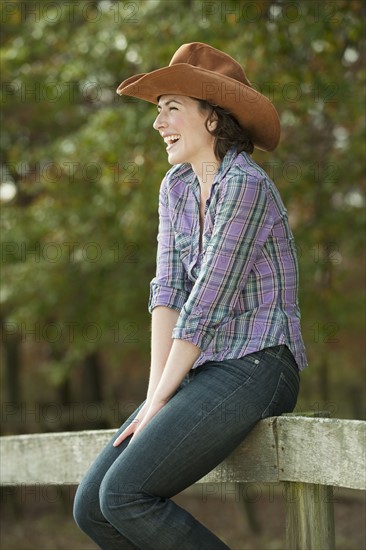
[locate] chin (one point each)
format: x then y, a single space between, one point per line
177 159
174 159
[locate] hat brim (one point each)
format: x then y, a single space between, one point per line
254 111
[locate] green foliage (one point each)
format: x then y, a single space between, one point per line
79 234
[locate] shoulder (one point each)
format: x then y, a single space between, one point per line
246 184
243 176
257 183
245 166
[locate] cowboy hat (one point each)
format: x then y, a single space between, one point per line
203 72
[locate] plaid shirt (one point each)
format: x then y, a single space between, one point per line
237 292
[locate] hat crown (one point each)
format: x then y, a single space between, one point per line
209 58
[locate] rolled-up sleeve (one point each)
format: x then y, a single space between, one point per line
169 286
241 227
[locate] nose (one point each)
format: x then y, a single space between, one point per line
159 122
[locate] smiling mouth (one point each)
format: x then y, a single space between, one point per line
171 140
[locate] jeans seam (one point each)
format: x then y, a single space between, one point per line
268 407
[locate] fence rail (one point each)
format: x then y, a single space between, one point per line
308 455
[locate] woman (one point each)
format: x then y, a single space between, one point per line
226 345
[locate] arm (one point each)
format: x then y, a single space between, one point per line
170 286
170 362
163 320
168 292
181 359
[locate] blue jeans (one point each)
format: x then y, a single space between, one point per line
124 500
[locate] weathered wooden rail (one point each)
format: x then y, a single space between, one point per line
308 455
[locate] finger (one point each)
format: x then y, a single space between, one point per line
137 431
120 439
123 436
126 432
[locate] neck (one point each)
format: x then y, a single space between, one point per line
206 172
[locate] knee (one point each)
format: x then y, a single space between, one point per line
115 496
86 505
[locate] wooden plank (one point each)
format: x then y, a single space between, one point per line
313 450
322 451
52 458
309 517
62 458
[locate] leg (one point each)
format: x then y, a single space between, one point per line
87 513
193 433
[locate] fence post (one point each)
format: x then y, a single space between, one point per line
309 510
309 516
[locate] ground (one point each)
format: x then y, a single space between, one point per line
40 518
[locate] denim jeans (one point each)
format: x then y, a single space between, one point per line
124 500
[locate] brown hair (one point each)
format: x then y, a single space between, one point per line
227 131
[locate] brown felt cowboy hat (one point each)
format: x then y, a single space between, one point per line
203 72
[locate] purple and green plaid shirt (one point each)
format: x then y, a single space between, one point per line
237 293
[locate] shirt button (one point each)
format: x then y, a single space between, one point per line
197 312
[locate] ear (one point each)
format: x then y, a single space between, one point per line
212 123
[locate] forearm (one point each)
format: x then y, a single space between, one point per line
163 320
181 358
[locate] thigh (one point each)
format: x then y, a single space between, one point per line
88 490
201 425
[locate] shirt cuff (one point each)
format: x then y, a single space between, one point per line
193 330
161 295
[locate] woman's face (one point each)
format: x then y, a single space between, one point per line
181 123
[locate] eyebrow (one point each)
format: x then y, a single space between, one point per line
168 102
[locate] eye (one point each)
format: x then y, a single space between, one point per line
173 108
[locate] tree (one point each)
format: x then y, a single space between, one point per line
81 171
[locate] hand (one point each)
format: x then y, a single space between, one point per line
133 426
151 412
148 411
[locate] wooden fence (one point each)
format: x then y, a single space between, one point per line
308 455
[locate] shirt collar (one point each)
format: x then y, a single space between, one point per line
226 164
185 172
